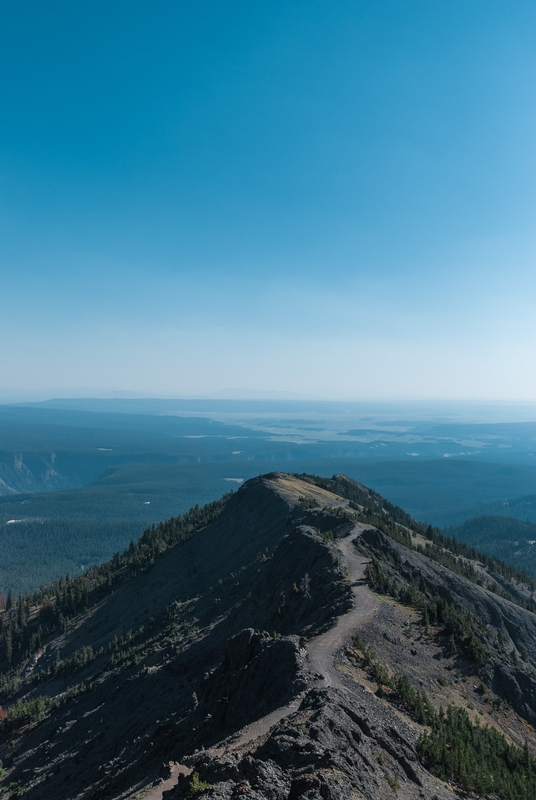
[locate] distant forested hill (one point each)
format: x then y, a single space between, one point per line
522 508
510 539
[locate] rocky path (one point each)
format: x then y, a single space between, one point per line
321 650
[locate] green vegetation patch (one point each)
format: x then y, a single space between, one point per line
463 631
475 758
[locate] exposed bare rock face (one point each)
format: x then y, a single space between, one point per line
233 659
33 472
339 745
302 589
256 675
509 679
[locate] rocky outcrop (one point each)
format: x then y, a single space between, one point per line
256 675
338 745
301 590
30 472
517 626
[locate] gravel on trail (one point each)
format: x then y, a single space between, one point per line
321 652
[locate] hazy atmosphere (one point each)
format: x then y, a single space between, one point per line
330 199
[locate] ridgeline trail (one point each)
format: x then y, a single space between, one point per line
322 649
321 652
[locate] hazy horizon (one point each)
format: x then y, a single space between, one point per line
23 395
244 406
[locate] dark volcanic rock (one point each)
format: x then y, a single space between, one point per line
256 675
339 745
302 589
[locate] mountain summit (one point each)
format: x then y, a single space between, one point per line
300 638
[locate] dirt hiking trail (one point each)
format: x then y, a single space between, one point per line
321 651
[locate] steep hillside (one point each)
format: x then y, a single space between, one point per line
295 640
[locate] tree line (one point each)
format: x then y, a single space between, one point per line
28 619
476 758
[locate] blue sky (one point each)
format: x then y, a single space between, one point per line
330 198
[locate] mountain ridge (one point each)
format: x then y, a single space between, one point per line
207 627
